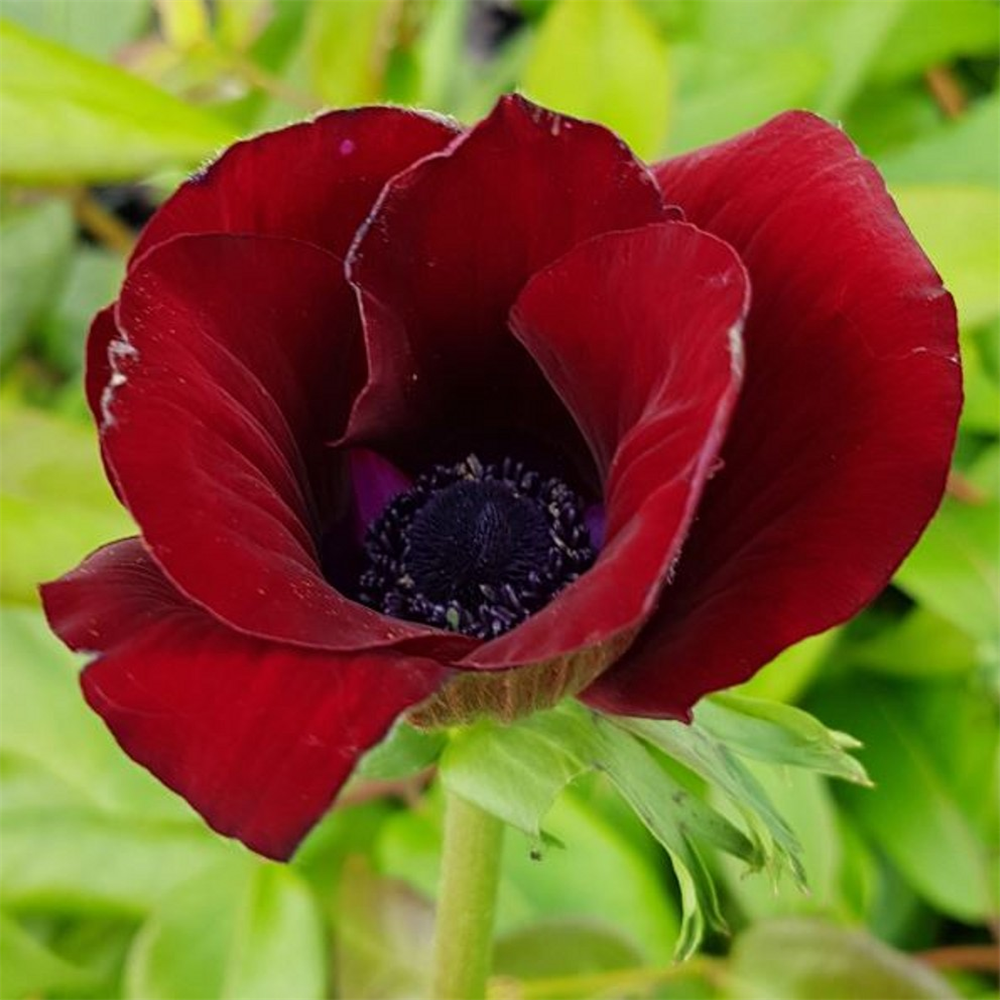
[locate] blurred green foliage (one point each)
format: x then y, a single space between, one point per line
111 887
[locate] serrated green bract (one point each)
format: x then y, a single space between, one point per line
516 772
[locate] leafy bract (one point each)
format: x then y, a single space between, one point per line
516 772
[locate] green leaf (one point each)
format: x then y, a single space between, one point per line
480 89
343 831
83 827
243 930
984 472
404 752
935 32
97 28
27 786
35 243
279 917
70 118
92 282
603 60
32 969
792 671
987 343
184 24
240 22
87 862
981 407
761 23
45 721
52 487
921 645
803 800
780 734
99 944
516 771
953 570
805 958
932 750
842 37
672 815
440 54
346 49
695 748
884 119
563 948
673 18
623 891
709 108
773 733
856 32
956 226
963 151
384 933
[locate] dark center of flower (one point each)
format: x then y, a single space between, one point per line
475 548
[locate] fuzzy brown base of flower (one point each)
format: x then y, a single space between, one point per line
506 695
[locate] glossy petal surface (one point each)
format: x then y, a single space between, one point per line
639 333
236 359
257 737
315 181
840 444
445 253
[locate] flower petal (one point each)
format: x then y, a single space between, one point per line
315 181
257 737
448 247
98 365
840 445
374 483
639 333
236 358
97 373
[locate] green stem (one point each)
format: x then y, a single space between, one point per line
463 937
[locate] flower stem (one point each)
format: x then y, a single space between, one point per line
463 937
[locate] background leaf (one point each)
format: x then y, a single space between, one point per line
35 245
346 49
384 936
955 225
963 151
779 734
953 569
809 958
53 487
931 749
67 117
622 894
603 60
256 935
30 967
97 28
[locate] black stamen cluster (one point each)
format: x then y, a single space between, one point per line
475 548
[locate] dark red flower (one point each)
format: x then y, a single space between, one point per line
415 418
